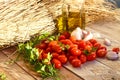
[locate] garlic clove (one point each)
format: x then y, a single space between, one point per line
107 42
77 33
88 36
112 55
84 32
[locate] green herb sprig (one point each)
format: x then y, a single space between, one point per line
31 55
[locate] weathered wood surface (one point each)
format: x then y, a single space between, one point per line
12 71
31 75
100 69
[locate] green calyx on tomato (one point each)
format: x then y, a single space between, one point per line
91 56
87 52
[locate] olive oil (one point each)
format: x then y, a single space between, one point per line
69 20
75 19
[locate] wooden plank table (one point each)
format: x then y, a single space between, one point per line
99 69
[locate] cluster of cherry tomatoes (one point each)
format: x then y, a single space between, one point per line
68 49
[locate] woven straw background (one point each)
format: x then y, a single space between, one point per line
21 19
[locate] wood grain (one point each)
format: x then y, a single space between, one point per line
12 71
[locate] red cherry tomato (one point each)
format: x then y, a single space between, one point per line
52 43
62 58
66 42
83 58
89 43
93 41
75 52
71 58
116 49
101 53
97 45
73 46
81 44
88 48
62 37
103 47
44 55
91 56
48 49
66 34
73 39
56 48
76 62
55 55
41 46
57 63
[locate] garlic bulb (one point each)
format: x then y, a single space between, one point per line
77 33
88 36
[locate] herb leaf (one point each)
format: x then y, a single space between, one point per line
31 54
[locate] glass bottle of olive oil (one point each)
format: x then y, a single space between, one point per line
73 15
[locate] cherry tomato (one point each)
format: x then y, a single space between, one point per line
44 55
48 49
55 55
56 48
41 46
91 56
75 52
72 46
57 63
101 53
73 39
97 45
93 41
116 49
88 48
62 58
66 42
103 47
62 37
83 58
66 34
89 43
76 62
71 58
52 43
81 44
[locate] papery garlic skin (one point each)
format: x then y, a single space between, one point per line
77 33
107 42
88 36
112 55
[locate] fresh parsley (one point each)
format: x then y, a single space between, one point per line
31 55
